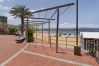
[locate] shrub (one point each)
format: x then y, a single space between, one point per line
30 34
3 28
12 29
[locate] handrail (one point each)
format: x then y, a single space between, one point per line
65 40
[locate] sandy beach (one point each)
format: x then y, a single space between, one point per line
64 40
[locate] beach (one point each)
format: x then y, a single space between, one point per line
64 41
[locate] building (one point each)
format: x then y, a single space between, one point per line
90 41
3 24
3 19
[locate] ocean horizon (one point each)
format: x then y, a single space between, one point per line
73 30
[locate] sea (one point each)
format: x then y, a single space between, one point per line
73 31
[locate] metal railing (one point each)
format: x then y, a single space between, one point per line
63 41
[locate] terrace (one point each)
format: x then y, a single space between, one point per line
45 49
36 54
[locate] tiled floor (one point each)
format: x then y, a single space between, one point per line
63 53
8 47
25 59
39 55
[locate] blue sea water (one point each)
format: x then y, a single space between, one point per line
73 31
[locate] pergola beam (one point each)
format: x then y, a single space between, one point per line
38 22
42 18
70 4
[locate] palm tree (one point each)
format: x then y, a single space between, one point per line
22 12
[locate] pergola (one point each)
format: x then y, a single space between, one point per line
39 22
57 11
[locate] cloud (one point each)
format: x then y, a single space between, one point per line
4 11
32 10
71 25
9 16
1 0
91 25
4 1
4 7
68 25
12 20
42 8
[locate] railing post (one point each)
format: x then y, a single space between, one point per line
36 32
42 33
49 32
57 29
66 41
27 30
50 41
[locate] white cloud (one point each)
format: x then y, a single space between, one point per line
1 0
70 25
4 11
66 25
32 10
4 7
4 1
89 25
36 9
42 8
9 16
12 20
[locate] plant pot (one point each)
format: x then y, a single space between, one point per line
77 50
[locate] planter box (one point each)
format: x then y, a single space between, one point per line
77 50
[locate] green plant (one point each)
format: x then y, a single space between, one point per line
30 37
12 29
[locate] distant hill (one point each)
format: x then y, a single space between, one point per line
84 28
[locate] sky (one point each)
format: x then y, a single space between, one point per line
88 11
